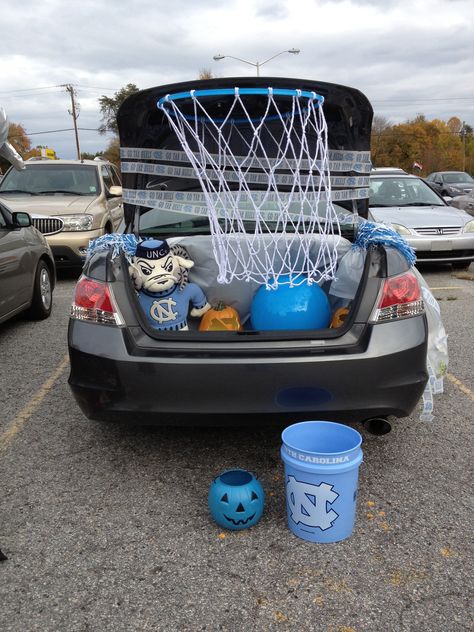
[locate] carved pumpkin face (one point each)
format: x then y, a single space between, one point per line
236 500
220 318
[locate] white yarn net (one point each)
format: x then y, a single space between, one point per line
264 171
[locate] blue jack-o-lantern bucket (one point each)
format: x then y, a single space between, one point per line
236 499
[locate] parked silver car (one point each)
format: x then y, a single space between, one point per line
27 270
438 232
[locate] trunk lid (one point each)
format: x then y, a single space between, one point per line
149 145
142 126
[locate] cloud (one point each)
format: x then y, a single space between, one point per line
272 10
406 56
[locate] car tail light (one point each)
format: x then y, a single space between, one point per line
93 302
400 297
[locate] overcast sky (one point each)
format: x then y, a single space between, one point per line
407 56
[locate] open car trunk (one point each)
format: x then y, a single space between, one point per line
153 167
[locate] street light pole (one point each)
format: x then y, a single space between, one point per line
257 64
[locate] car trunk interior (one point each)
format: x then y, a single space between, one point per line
343 295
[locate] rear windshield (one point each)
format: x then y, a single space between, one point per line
159 222
50 178
458 176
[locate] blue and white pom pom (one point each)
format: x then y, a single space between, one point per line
117 243
370 233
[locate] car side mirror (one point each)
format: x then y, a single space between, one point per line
21 220
115 191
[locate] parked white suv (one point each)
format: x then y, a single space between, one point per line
70 202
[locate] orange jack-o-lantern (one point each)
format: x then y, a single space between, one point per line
339 317
220 318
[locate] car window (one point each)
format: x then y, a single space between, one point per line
458 176
115 176
50 178
107 176
156 221
401 192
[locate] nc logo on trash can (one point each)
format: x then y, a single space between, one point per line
308 503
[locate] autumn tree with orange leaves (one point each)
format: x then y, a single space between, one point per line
436 145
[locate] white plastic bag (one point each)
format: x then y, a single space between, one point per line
348 274
437 355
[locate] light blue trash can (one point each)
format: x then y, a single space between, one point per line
322 461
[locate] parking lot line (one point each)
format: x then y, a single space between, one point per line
462 387
20 420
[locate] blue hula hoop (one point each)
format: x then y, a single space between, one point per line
192 94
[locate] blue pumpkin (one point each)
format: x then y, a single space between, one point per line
302 306
236 500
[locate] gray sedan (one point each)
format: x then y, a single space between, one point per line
367 363
451 183
438 232
27 270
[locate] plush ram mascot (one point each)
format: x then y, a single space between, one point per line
157 272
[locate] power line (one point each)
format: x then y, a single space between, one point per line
28 89
98 88
58 86
55 131
421 100
375 100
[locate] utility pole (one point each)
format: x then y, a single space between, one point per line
463 135
74 112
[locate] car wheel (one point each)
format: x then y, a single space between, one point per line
461 265
42 301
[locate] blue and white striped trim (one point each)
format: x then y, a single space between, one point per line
195 203
174 327
171 171
339 161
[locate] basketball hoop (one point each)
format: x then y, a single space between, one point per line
261 157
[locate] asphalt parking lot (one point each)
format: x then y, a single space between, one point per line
106 527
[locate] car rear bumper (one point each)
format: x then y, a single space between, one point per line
108 383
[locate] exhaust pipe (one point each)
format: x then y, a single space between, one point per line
377 425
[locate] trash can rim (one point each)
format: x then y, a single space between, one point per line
348 429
